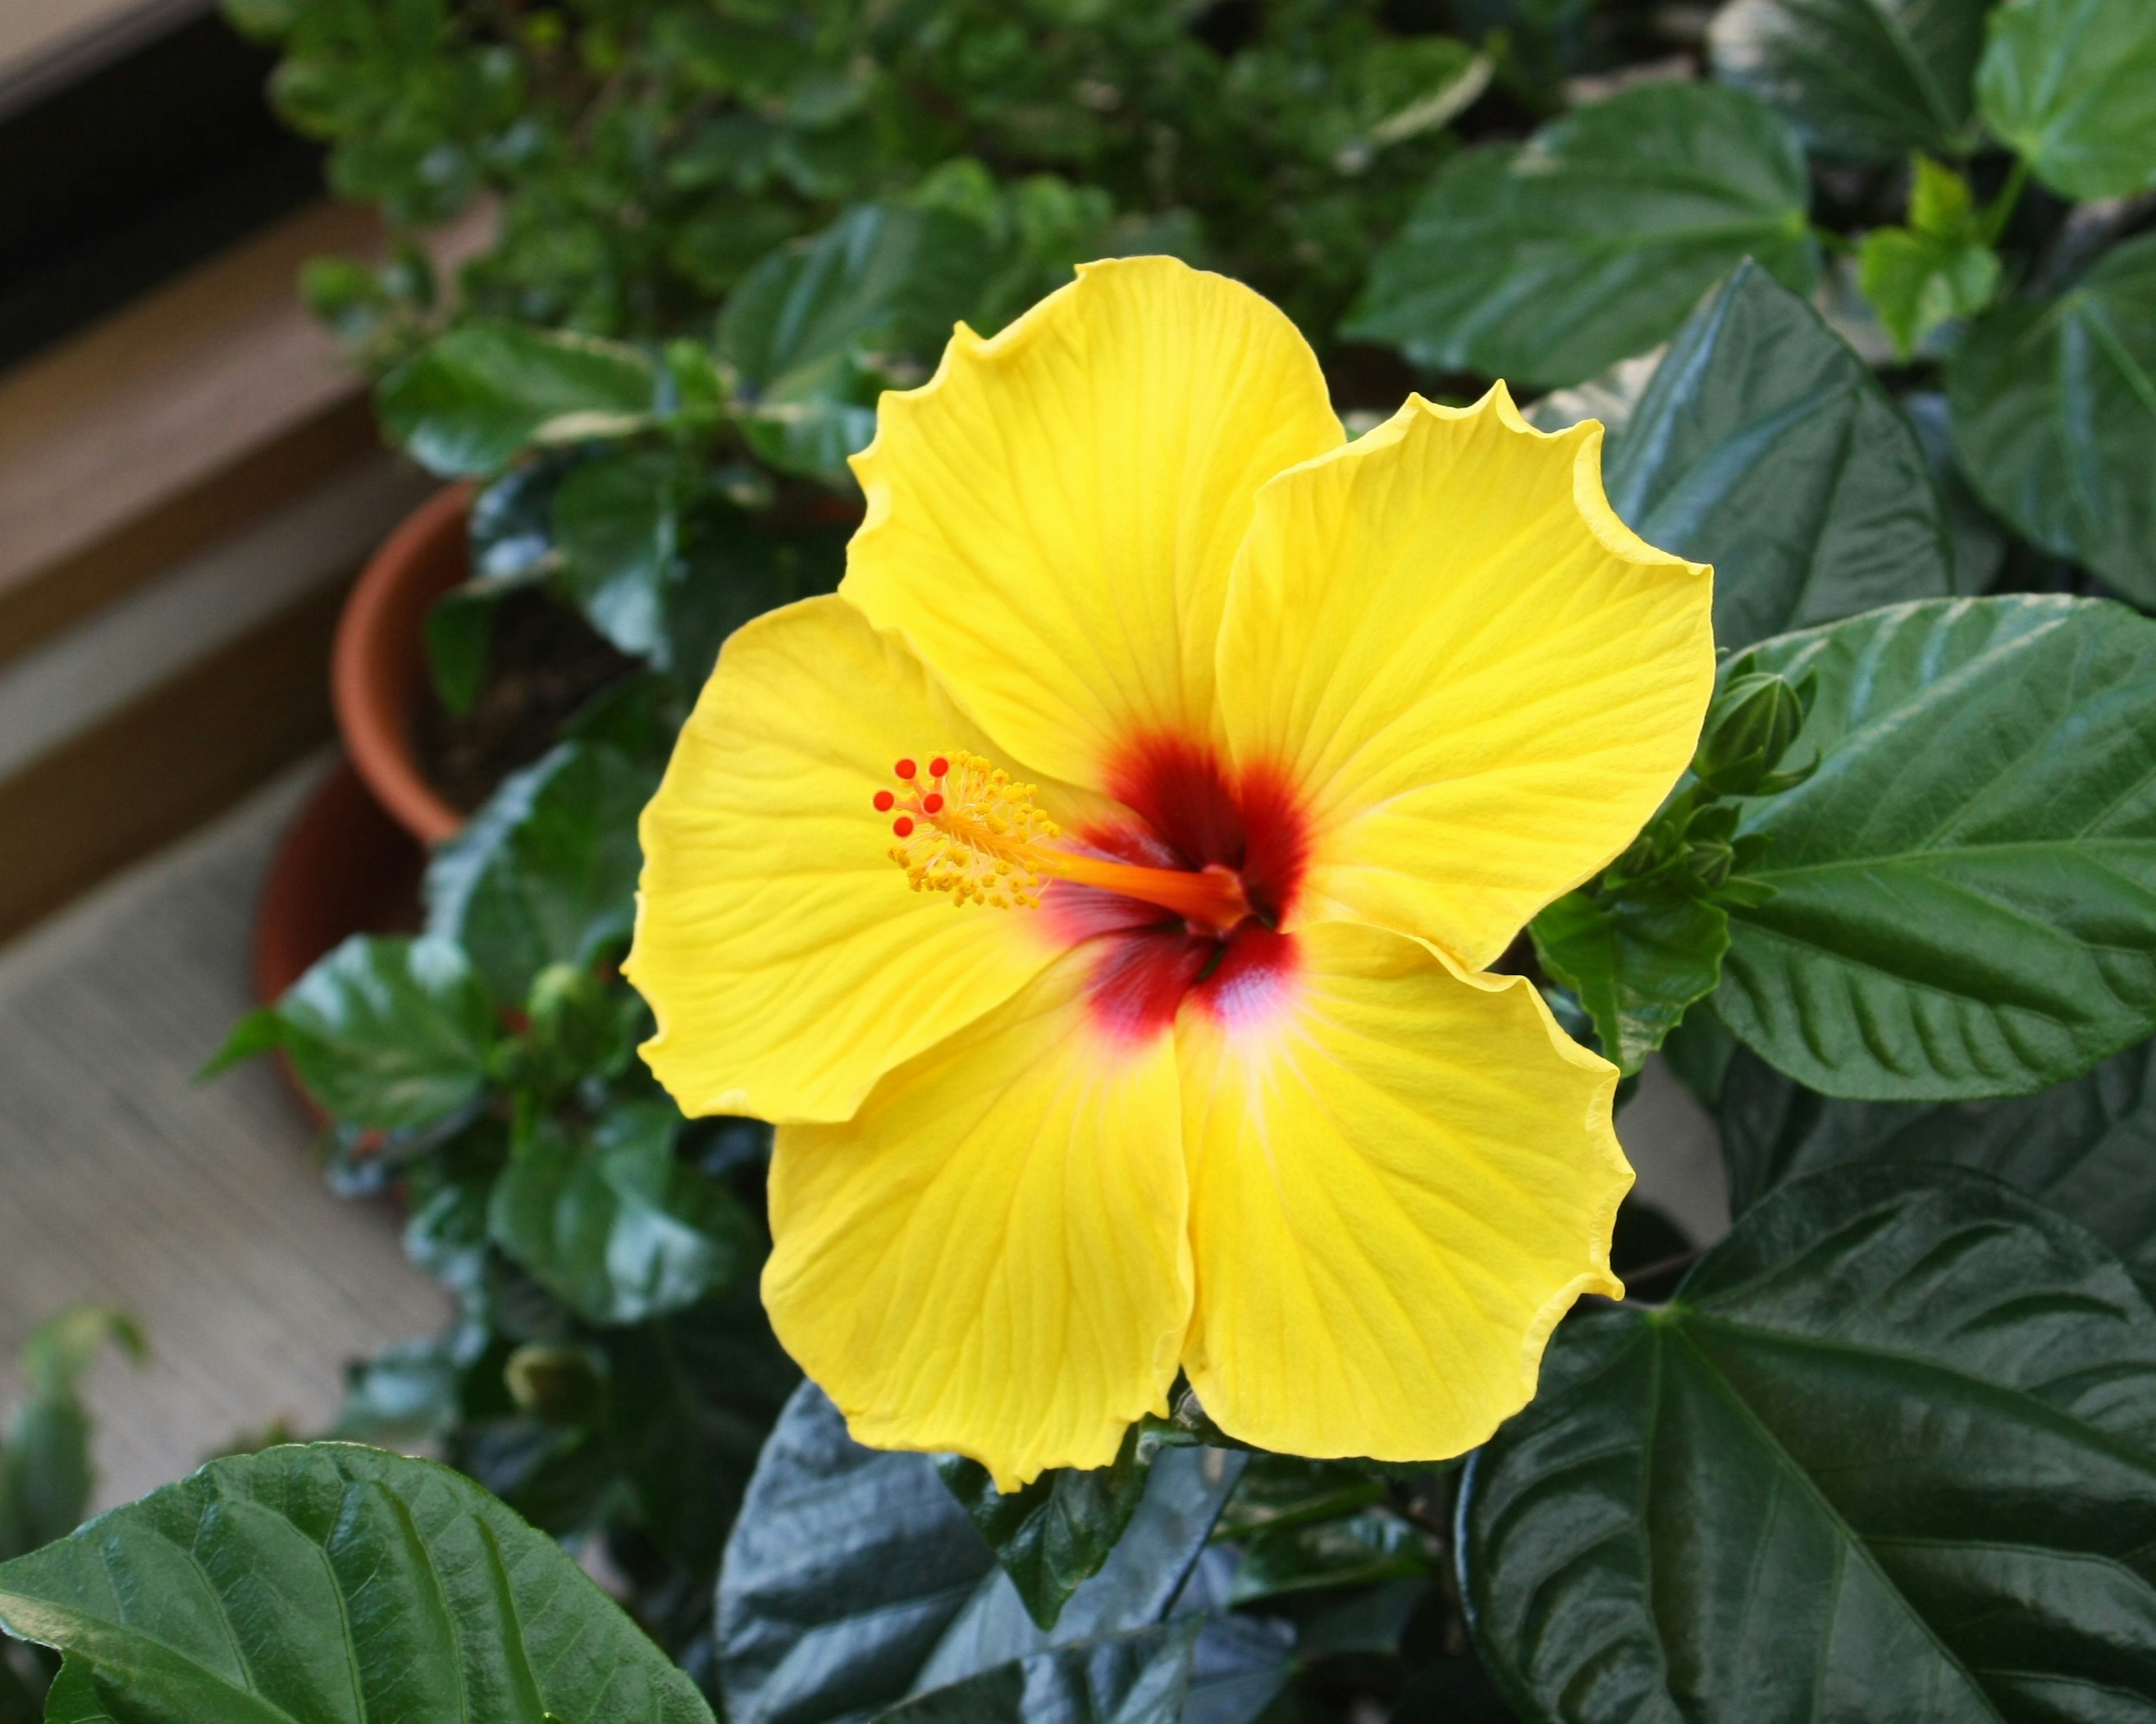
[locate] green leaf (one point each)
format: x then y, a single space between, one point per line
854 1578
2086 1149
735 569
1890 1454
1283 1490
2054 409
1965 901
546 872
1868 80
614 1227
1140 1678
2070 85
73 1698
808 326
693 1396
1978 541
45 1474
330 1581
1636 962
386 1033
1765 446
471 401
1056 1533
1364 1549
617 528
1547 261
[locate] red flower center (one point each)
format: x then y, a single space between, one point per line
1193 816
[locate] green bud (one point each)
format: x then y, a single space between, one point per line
1751 725
559 1384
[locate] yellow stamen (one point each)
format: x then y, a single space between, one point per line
974 832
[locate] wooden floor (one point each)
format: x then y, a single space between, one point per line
196 1207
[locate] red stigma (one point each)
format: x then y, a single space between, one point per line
884 801
932 803
905 768
936 768
903 826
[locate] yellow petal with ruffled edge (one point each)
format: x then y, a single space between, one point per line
1484 681
1052 518
1402 1176
786 961
991 1257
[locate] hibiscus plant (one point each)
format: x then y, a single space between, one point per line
1129 990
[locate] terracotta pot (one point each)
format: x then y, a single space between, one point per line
344 867
378 668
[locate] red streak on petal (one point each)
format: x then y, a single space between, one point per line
1254 979
1254 824
1139 980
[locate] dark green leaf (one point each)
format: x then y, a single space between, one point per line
614 1227
459 637
1139 1678
333 1581
1866 79
1978 541
881 279
73 1698
45 1474
2070 85
386 1033
617 528
546 872
1545 262
854 1578
1765 447
1362 1549
1891 1454
2053 406
1278 1490
734 570
809 327
2087 1148
484 391
693 1396
1058 1531
1965 901
1636 961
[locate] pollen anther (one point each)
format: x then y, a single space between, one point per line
976 836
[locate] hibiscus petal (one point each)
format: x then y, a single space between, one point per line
1053 517
788 963
1401 1178
992 1257
1490 681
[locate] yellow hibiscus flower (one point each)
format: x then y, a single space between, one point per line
1242 752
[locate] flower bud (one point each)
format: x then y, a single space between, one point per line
1750 727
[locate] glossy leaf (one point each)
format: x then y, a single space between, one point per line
386 1033
1965 901
2054 409
332 1582
2071 86
1283 1490
1545 262
1366 1548
471 401
806 326
618 531
1765 447
1140 1678
1636 961
854 1578
2086 1149
73 1698
734 570
1891 1454
1056 1533
1978 541
1867 80
614 1226
546 872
